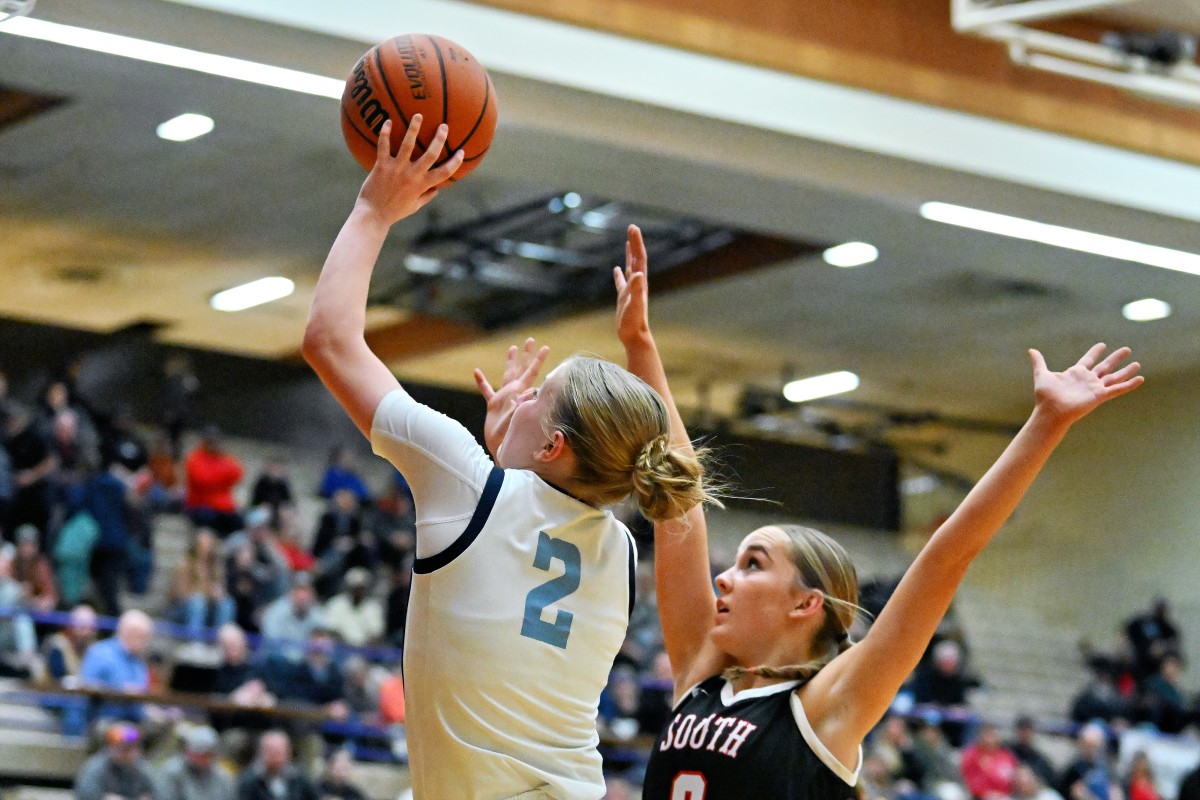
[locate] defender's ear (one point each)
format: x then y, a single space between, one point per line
808 602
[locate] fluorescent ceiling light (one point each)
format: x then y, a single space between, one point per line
185 127
851 254
171 56
251 294
1146 310
820 386
1067 238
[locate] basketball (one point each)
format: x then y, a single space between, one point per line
420 74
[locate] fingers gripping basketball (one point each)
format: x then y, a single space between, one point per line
420 74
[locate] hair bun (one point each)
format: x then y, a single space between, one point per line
653 453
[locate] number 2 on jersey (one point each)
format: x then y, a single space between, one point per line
552 591
688 786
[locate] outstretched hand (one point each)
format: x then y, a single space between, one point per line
1073 393
399 186
520 374
633 291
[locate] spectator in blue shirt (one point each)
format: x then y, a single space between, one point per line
119 663
341 474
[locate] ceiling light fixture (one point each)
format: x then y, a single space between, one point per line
820 386
851 254
185 127
251 294
1146 310
171 56
1067 238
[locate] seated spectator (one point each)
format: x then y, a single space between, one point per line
657 696
354 615
362 687
1027 785
1089 776
198 593
1153 636
316 681
195 774
110 499
1027 752
117 772
1099 700
273 488
273 776
59 403
939 762
18 641
988 766
73 462
875 780
1163 699
894 744
336 783
619 705
288 622
1139 783
33 571
166 486
65 649
122 442
241 681
341 473
119 663
73 549
212 474
339 542
32 462
945 683
269 560
298 558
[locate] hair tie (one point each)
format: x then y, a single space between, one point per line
844 636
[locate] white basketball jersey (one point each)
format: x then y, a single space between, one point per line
511 634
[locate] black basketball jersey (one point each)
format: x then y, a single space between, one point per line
757 744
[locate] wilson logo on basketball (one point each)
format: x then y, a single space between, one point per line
410 57
370 110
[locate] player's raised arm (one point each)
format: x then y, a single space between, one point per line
334 345
847 698
684 583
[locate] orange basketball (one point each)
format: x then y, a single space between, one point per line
417 73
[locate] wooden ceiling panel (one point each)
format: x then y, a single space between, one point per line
903 48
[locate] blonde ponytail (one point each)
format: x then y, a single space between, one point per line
619 430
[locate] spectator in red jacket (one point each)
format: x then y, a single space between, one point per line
988 766
212 474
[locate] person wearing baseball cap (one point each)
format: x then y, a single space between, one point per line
118 770
195 774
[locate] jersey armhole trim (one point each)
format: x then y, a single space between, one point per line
487 500
818 747
633 560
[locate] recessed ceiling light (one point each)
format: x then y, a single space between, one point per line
1146 310
1058 236
820 386
171 56
185 127
251 294
851 254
